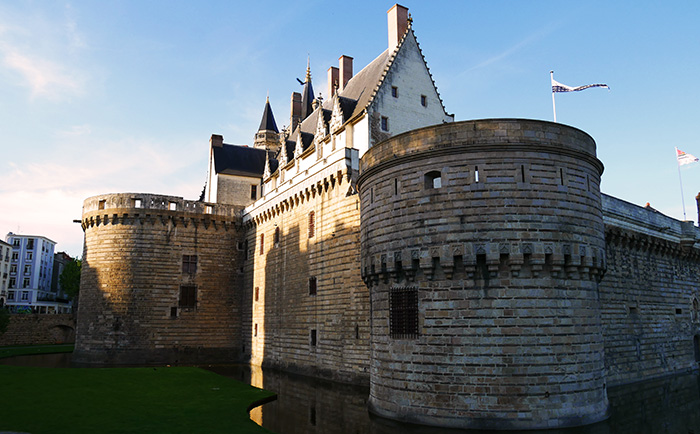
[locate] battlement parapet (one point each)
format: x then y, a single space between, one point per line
131 208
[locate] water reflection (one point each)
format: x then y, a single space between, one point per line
306 405
58 360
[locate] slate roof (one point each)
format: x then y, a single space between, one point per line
239 160
268 119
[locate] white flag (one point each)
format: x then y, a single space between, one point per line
684 158
558 87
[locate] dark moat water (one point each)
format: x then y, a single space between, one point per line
306 405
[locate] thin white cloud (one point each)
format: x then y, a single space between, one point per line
42 76
43 54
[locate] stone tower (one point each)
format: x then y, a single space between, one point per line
482 244
267 136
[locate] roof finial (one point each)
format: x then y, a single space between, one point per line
410 19
267 99
308 67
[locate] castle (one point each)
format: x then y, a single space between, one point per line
472 273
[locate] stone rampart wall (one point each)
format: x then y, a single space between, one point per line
36 329
279 323
650 293
131 300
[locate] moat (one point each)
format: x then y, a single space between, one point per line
304 404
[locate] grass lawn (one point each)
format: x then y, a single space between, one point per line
122 400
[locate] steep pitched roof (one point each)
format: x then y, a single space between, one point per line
362 85
268 119
239 160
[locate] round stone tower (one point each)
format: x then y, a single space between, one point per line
160 281
482 245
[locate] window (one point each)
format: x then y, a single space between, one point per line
30 255
277 236
189 264
394 91
257 293
172 206
27 269
15 242
208 209
433 180
312 338
25 295
188 295
385 123
262 243
312 285
403 313
312 224
136 203
255 332
11 295
101 204
13 269
253 192
30 244
15 256
423 101
13 283
245 250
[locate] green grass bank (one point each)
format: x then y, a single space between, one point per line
121 400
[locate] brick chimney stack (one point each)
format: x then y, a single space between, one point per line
332 80
345 71
295 111
216 140
398 23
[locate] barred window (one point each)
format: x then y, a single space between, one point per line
189 264
312 223
403 313
188 295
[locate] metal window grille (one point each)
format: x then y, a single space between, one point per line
312 223
188 295
403 313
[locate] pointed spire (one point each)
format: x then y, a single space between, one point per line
307 94
268 119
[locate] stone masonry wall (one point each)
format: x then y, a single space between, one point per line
130 301
279 313
35 329
488 236
650 294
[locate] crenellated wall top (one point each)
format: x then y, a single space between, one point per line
135 203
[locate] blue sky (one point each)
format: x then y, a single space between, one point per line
122 96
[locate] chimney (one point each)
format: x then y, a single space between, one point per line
345 71
332 80
295 111
216 140
398 23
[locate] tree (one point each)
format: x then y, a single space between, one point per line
69 280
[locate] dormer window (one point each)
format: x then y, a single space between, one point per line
394 91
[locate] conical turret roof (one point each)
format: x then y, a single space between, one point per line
307 95
268 119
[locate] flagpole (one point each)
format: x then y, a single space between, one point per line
554 106
680 180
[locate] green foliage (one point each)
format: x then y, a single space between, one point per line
4 320
69 280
